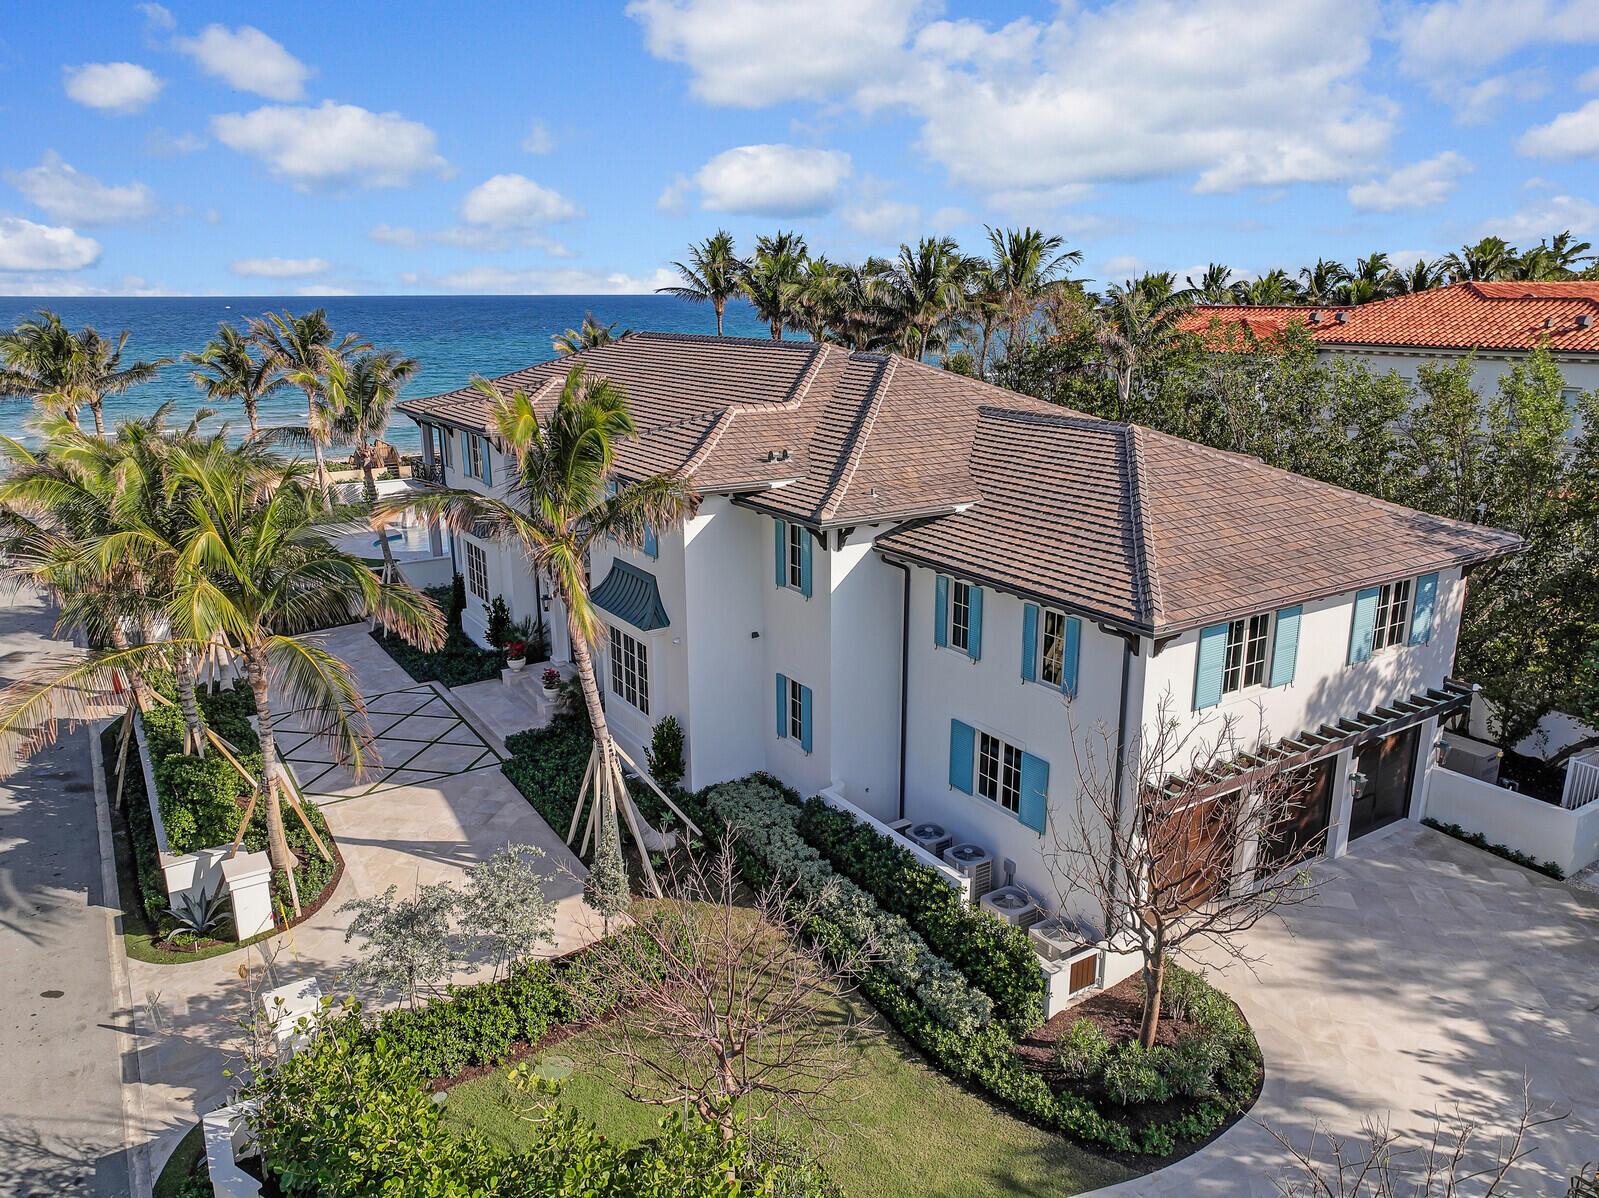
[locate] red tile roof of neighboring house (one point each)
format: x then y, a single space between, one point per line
1116 521
1500 316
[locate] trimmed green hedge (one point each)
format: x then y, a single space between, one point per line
993 956
458 663
1525 860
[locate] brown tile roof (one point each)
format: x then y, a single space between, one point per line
1511 315
1116 521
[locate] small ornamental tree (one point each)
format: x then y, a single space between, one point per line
605 889
665 754
504 907
1174 852
409 944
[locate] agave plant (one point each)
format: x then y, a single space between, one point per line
198 912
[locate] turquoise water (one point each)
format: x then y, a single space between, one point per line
453 337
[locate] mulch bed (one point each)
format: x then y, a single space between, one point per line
1119 1012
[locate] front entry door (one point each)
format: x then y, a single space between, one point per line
1308 804
1382 794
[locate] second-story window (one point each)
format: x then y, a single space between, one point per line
1393 615
960 616
1052 660
477 571
796 556
1247 642
474 446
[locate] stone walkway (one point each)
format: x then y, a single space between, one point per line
411 822
1429 977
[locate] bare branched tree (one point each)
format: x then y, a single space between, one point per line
1190 834
719 1003
1451 1164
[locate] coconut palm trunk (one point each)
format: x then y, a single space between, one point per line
183 673
267 791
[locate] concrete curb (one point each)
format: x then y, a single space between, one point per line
133 1122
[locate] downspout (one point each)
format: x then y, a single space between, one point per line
1119 786
905 678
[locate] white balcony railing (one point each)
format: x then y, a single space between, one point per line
1582 783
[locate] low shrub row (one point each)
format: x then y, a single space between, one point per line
199 796
459 662
1525 860
768 822
993 956
985 1058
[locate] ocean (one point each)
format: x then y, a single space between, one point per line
452 337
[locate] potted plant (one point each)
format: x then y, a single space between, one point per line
516 655
552 682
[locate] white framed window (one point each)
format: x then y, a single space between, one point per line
1248 646
474 449
960 615
1393 615
630 670
999 772
477 571
1052 648
796 711
795 555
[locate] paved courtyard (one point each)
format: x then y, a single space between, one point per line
1429 977
435 805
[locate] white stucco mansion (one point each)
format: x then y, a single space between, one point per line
912 587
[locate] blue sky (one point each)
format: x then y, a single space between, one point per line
420 148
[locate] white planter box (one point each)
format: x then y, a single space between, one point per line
228 1140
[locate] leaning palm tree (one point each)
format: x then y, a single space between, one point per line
1137 324
228 369
300 348
561 501
63 371
1025 264
711 274
774 278
592 333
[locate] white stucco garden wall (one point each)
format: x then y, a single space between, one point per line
1568 838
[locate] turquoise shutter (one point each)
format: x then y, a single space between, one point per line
488 465
941 611
1285 646
974 623
806 541
1360 625
1035 792
782 707
652 547
962 739
781 555
1071 651
805 718
1208 668
1029 642
1421 610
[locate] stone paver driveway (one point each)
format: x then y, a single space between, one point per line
1429 976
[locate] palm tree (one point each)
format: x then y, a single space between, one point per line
63 371
1273 287
591 334
1490 259
560 501
1569 255
1215 286
1025 264
772 280
300 348
1321 283
1422 276
984 306
227 369
711 275
362 400
924 288
1137 323
822 290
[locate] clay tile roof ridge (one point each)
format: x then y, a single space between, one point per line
719 425
1146 579
860 435
796 398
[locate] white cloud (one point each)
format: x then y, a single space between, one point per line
1419 185
280 268
158 143
248 60
386 234
500 280
884 220
538 139
674 197
1544 217
1126 266
158 17
26 246
750 54
773 180
1569 135
513 201
120 87
1229 92
332 145
57 285
1475 103
1443 40
69 195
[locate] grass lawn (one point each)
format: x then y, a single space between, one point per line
903 1128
